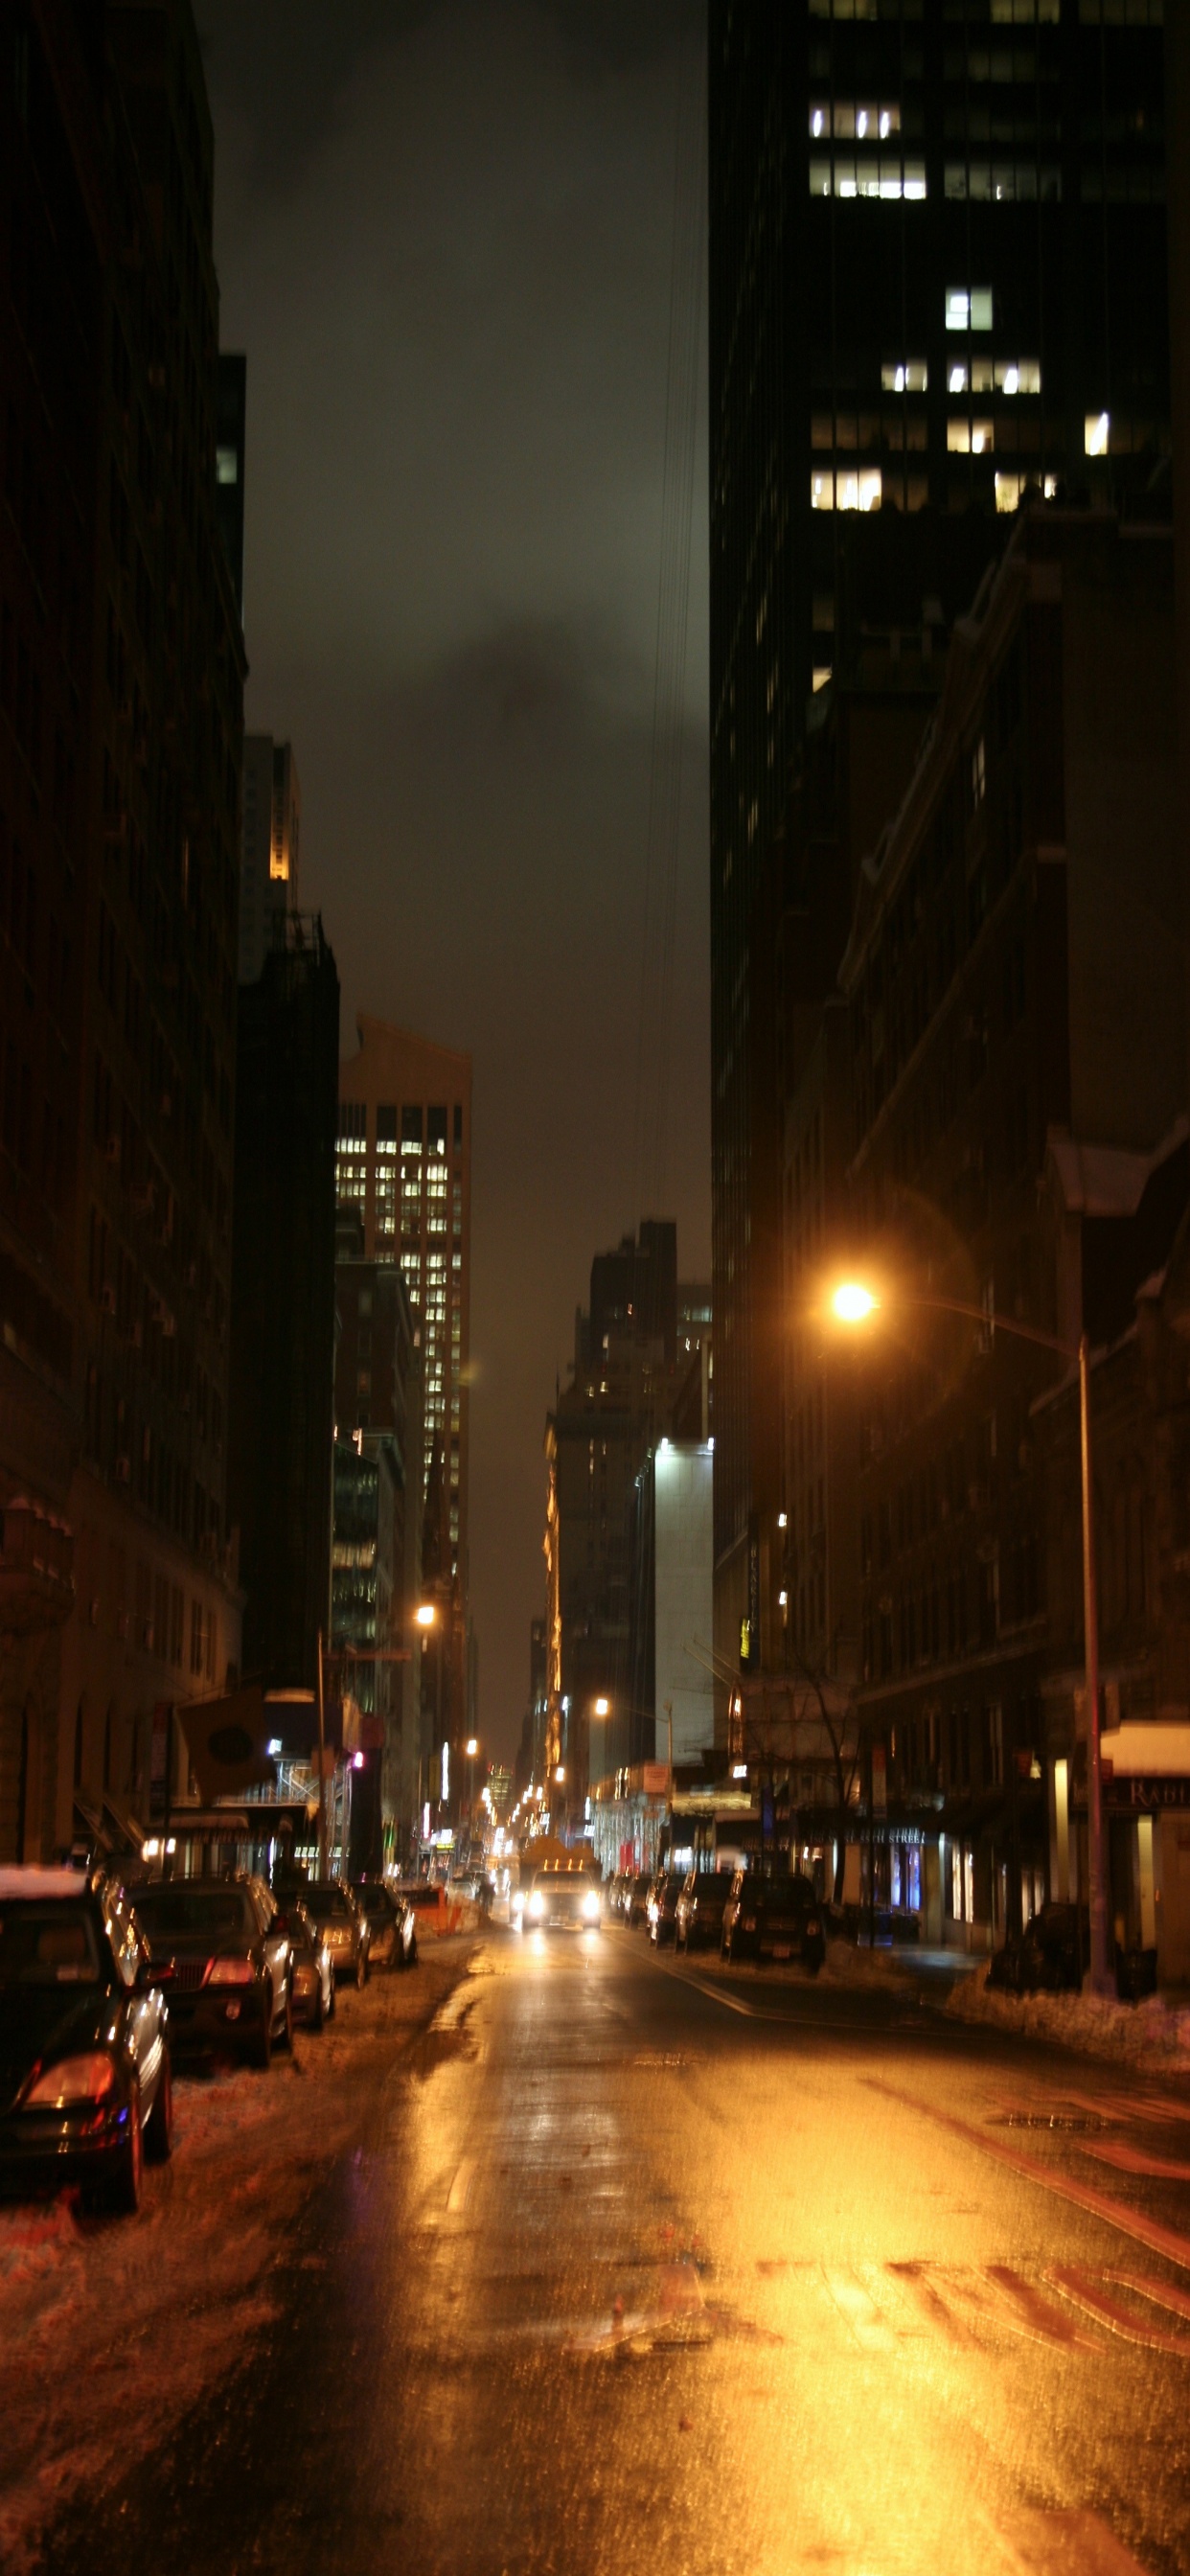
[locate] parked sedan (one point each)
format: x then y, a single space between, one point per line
636 1897
313 1981
344 1927
773 1918
391 1924
221 1954
85 2087
663 1906
698 1922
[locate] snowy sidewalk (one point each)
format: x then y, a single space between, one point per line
1153 2037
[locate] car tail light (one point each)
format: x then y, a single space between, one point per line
231 1972
749 1922
74 2079
812 1923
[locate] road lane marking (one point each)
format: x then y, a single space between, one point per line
859 2311
460 2189
1119 2320
1133 2160
1037 2543
1037 2315
1165 2241
916 2277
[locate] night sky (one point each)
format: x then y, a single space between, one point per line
443 236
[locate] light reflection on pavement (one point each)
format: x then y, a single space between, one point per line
632 2264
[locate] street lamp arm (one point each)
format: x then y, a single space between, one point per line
994 1323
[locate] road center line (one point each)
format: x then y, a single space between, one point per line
1129 2222
460 2189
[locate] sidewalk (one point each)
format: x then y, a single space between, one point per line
1153 2037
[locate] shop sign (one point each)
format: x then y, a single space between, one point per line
1160 1789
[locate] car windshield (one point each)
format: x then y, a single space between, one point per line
374 1900
47 1945
188 1913
328 1905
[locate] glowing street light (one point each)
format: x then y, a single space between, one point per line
471 1747
603 1708
853 1303
560 1774
425 1614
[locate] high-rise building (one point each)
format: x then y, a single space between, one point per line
119 867
270 849
404 1162
377 1569
283 1302
937 281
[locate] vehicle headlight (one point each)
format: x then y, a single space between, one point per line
230 1972
75 2079
591 1906
536 1905
518 1903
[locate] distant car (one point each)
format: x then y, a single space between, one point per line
773 1918
636 1896
1049 1956
221 1954
85 2078
344 1928
391 1923
698 1921
312 1985
663 1907
564 1898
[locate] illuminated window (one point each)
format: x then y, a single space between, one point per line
846 491
1018 376
821 674
970 437
1009 488
957 380
904 376
1096 432
868 123
1002 183
968 308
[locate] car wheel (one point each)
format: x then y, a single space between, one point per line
262 2048
285 2034
319 2007
333 2005
124 2189
725 1948
413 1952
361 1973
159 2127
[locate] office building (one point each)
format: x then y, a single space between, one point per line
937 281
404 1163
377 1571
1016 992
283 1302
120 842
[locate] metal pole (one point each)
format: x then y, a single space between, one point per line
1101 1982
321 1771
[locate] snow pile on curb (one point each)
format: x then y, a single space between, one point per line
1153 2036
845 1965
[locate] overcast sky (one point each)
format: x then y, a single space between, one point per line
444 238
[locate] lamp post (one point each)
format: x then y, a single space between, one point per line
855 1304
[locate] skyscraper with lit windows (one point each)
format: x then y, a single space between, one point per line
404 1161
937 284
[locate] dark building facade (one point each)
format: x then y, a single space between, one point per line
937 280
283 1303
121 680
1015 985
377 1574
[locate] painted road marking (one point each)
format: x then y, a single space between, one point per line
1166 2241
859 2311
1059 2544
1114 2151
460 2189
1119 2320
1037 2316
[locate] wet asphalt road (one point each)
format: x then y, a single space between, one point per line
637 2266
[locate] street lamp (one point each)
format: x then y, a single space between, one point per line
471 1748
854 1303
425 1614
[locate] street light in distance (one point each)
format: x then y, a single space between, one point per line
425 1614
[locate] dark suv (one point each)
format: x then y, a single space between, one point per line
85 2089
773 1918
221 1953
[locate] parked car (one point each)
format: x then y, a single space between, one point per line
312 1983
1048 1956
773 1918
663 1906
85 2080
344 1927
698 1921
220 1949
391 1923
564 1896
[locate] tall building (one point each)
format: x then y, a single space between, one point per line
937 280
270 849
404 1162
120 835
283 1302
378 1538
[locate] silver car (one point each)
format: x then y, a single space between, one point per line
344 1928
